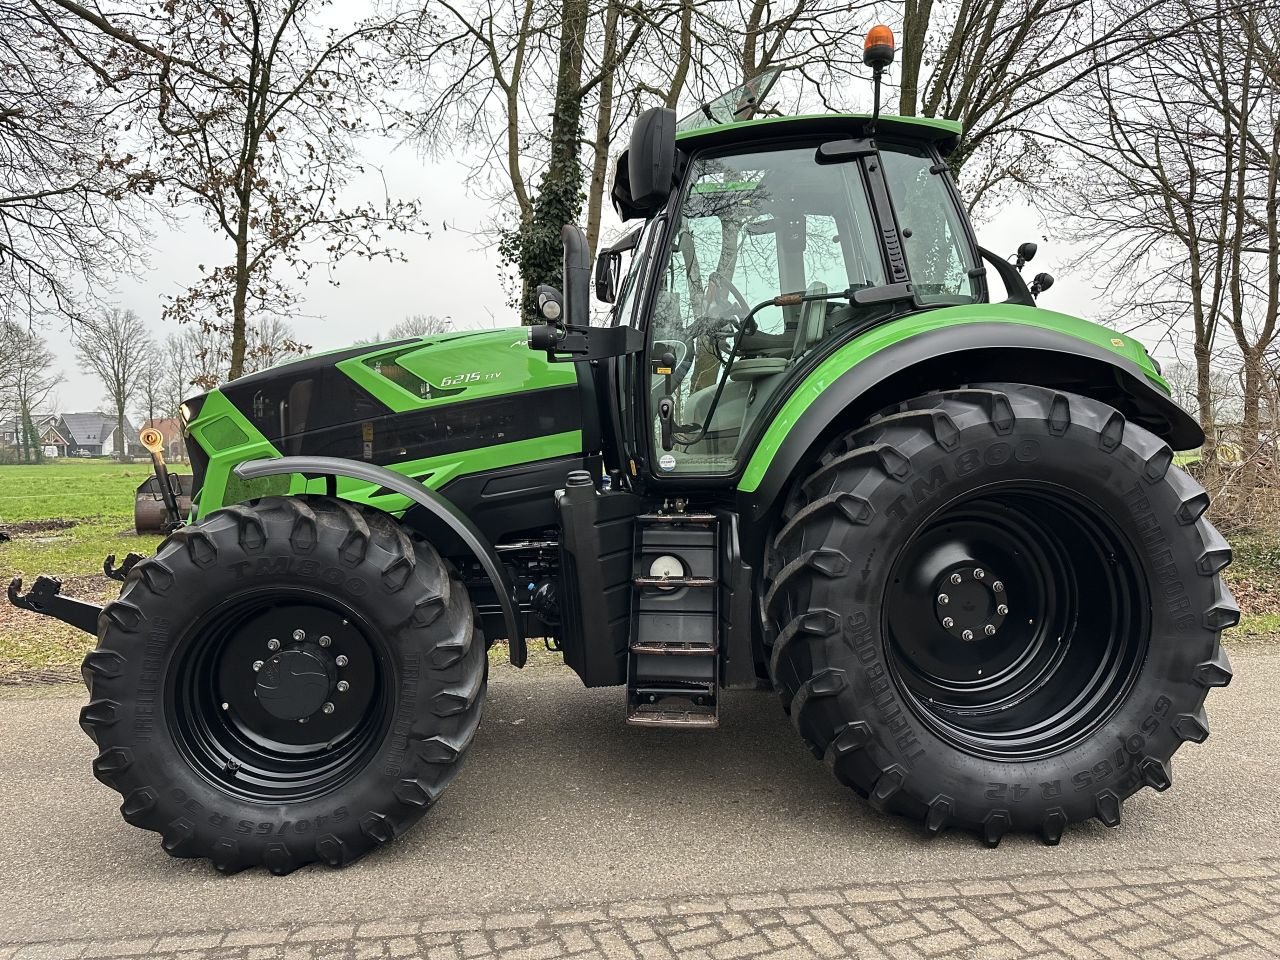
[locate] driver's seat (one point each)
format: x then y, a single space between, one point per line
752 379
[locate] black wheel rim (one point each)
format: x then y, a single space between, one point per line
1016 621
280 696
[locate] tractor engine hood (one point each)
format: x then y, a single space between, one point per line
389 403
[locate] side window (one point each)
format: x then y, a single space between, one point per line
629 297
933 231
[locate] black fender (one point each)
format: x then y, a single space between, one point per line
435 505
970 353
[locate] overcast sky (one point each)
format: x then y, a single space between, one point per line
452 273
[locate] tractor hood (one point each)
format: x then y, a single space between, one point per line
393 403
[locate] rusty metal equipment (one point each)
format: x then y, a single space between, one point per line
162 500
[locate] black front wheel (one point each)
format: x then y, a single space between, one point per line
291 680
999 609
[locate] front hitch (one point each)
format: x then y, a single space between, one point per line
45 598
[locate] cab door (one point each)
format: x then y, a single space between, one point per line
750 228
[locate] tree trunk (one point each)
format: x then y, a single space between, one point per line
559 198
121 443
1205 401
915 27
239 328
604 121
1251 422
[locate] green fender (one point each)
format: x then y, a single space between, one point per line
949 347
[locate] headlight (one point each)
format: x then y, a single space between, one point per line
186 413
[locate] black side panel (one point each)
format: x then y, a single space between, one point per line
742 646
512 500
597 532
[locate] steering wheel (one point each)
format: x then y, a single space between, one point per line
722 329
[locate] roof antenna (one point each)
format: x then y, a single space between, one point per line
877 53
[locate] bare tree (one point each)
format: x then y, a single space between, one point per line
116 348
419 325
252 109
150 392
1176 194
175 359
67 187
27 380
526 82
999 66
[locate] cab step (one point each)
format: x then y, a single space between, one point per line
674 648
650 715
673 662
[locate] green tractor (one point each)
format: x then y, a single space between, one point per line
808 452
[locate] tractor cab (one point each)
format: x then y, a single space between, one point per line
764 246
778 240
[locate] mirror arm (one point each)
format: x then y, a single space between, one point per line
1014 285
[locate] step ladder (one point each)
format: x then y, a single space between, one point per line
673 664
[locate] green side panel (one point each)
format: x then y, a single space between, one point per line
435 371
229 438
904 328
445 369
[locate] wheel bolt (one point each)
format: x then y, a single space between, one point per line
340 660
327 708
299 635
325 641
956 578
943 599
967 635
1002 609
257 665
989 630
998 587
226 706
948 622
979 574
302 719
343 686
273 644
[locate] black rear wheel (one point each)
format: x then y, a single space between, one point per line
288 681
998 609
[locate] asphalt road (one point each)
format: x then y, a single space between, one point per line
561 804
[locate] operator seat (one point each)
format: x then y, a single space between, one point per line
753 379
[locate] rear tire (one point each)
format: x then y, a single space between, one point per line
1077 679
290 680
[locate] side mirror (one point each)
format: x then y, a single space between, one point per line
651 159
608 264
1040 283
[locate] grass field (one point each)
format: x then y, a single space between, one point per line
64 518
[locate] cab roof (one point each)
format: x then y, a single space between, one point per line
944 134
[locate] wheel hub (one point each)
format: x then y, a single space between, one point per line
279 693
296 682
970 602
1015 620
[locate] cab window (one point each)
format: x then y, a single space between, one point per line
939 254
753 226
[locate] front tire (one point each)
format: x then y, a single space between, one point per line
998 609
290 680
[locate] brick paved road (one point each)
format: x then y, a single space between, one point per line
1227 911
654 837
